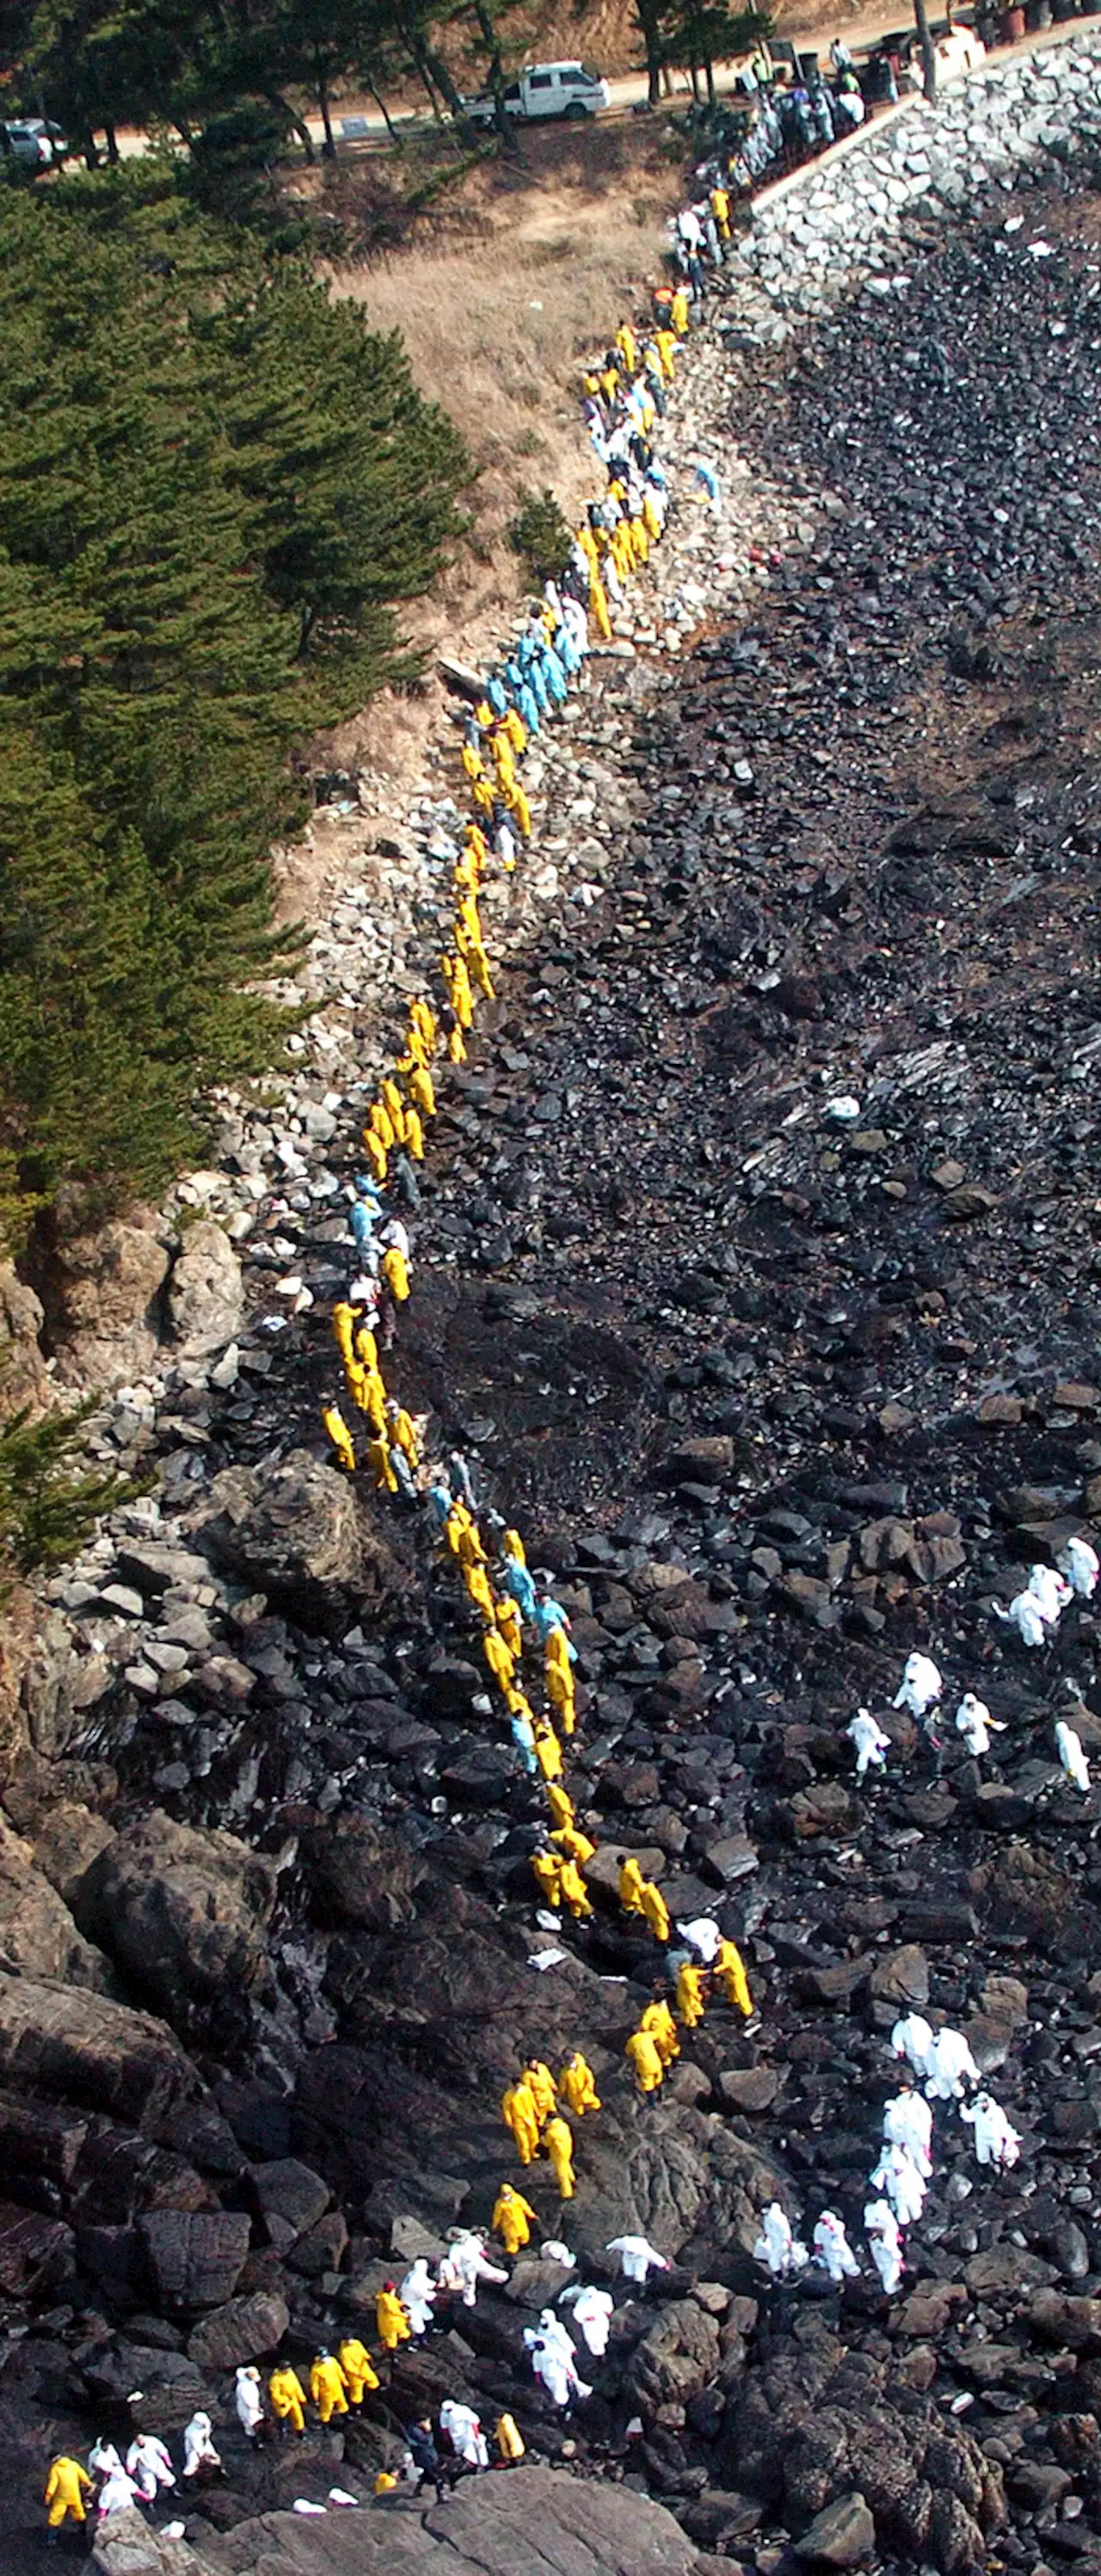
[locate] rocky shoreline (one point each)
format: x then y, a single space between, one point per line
776 1395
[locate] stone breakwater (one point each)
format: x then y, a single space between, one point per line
841 223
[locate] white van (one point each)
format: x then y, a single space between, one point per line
546 89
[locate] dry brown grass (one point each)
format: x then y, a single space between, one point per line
530 274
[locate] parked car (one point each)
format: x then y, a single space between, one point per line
33 141
546 89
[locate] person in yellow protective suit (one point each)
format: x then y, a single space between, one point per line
546 1869
678 312
380 1122
512 724
627 347
414 1134
471 760
630 1885
689 1994
655 1910
542 2087
422 1091
502 1665
577 2086
366 1347
729 1966
455 1527
470 1550
477 1583
557 1649
587 543
665 343
507 1615
423 1019
573 1844
720 208
558 2141
394 1106
512 1545
344 1325
559 1686
506 765
657 2021
511 2213
548 1751
371 1398
358 2368
650 518
395 1271
328 2387
644 2058
340 1436
520 2115
378 1460
561 1807
456 1043
609 383
598 602
403 1432
462 1002
640 538
390 2317
376 1154
468 917
477 848
478 967
517 804
574 1892
482 793
509 2440
66 2487
288 2397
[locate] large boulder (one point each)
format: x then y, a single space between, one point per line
293 1529
358 1874
23 1379
196 2256
542 2521
81 2047
239 2331
205 1292
37 1931
105 1296
185 1912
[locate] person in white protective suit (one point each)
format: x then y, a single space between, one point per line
104 2461
593 2311
912 2037
248 2400
117 2493
897 2175
833 2250
1025 1614
1068 1746
975 1724
908 2122
1081 1565
465 2264
920 1687
884 2244
777 2246
199 2451
637 2257
869 1743
996 2140
417 2293
553 2359
464 2432
149 2463
950 2066
1051 1590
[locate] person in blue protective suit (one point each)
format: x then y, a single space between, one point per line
547 1614
496 693
553 674
362 1218
523 1737
538 685
567 651
517 1580
439 1499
